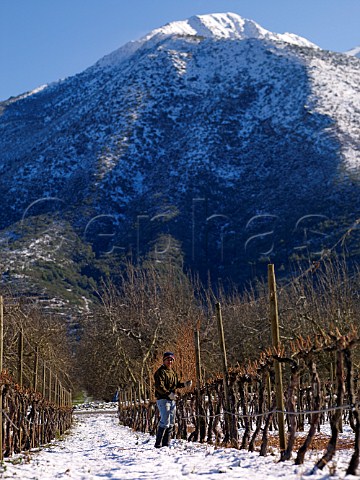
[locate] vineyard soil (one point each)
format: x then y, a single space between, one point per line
97 447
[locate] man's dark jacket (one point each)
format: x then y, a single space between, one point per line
166 381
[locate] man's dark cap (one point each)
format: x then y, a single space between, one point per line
168 355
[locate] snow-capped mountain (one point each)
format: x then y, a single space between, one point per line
217 26
225 25
236 141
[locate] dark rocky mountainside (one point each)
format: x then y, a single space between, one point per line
242 144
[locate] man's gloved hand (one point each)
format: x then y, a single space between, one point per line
188 383
172 396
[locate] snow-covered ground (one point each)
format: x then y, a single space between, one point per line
97 447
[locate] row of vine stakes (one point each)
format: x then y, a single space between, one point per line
59 396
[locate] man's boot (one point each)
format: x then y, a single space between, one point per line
159 437
167 436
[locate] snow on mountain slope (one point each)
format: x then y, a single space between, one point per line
213 107
354 51
226 25
119 96
217 25
337 96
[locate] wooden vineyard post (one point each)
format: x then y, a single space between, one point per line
36 365
139 391
20 370
225 373
50 386
197 359
120 399
223 353
151 395
274 317
44 380
20 357
56 390
43 391
268 387
200 409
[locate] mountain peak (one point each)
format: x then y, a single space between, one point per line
216 25
225 25
219 25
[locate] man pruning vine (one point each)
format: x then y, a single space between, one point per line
166 382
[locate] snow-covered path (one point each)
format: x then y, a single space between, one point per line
97 447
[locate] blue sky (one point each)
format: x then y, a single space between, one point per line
44 40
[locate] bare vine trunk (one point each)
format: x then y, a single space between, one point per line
336 418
